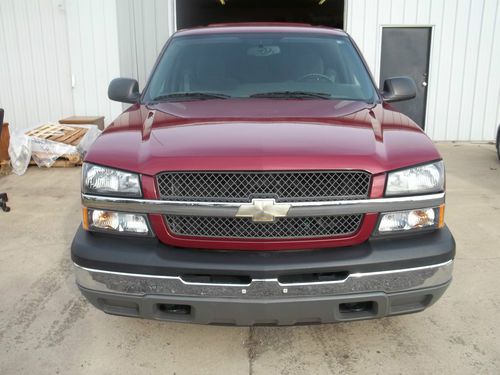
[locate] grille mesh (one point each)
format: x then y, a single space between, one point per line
283 186
287 227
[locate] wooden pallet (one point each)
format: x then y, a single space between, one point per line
70 135
61 163
5 168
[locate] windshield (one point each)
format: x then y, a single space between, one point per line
273 65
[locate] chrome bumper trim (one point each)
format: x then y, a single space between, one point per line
229 209
385 281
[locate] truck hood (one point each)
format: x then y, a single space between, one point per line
265 134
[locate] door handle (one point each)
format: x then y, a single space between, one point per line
424 84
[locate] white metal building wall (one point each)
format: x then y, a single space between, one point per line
94 58
57 58
144 26
35 77
463 101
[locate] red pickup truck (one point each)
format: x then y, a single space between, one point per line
262 178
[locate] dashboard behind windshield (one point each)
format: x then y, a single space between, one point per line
258 64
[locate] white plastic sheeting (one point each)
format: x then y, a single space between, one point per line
44 152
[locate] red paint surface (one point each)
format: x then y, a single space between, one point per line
255 27
261 134
257 135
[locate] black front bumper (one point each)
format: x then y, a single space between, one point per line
149 256
268 311
144 278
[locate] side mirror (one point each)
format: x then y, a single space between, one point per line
125 90
397 89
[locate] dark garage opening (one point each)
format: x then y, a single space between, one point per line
192 13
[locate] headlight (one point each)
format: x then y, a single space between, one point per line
411 220
109 181
428 178
115 222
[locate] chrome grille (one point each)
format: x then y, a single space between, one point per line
283 186
282 228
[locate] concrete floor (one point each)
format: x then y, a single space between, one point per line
46 327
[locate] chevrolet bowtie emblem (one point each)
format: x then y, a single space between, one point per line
263 210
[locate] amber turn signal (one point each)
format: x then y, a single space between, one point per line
441 216
85 220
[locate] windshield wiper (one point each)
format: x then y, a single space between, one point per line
291 94
191 95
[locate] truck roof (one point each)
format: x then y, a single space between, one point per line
255 27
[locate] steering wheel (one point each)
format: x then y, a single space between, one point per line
316 77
